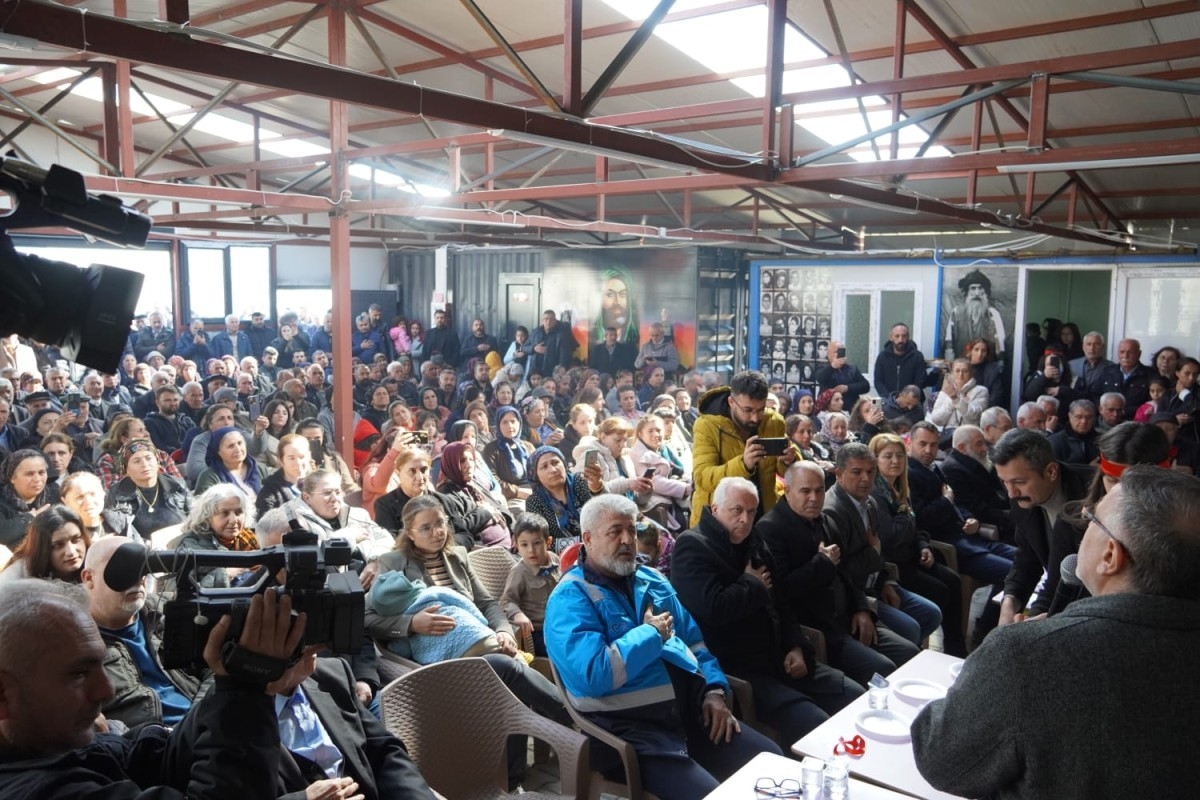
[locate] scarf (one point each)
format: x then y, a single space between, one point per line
213 459
514 452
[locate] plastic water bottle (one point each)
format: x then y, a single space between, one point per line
837 778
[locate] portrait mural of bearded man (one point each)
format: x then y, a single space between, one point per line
983 307
617 309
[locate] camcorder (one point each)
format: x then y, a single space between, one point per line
333 600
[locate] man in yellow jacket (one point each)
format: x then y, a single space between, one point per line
726 441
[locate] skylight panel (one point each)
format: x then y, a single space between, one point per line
293 148
56 75
733 41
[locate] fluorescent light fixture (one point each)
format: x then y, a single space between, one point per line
872 204
587 149
461 221
13 42
1110 163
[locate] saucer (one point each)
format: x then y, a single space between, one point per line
884 726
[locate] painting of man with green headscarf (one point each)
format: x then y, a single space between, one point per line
617 308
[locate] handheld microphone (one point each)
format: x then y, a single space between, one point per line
1066 571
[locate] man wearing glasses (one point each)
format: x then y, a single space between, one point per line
1038 487
726 442
1091 702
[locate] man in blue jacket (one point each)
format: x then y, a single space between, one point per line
232 341
633 660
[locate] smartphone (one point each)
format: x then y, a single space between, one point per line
591 458
841 352
83 404
648 473
876 401
774 446
420 437
255 409
1054 361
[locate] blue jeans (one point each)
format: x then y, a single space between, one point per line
915 619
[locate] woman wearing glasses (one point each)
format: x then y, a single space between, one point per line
321 509
425 550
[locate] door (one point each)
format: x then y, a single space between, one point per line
521 295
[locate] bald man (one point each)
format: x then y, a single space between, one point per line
142 690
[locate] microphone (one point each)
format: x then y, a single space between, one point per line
1066 571
124 570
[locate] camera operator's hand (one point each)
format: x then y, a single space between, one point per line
333 789
269 631
428 621
298 672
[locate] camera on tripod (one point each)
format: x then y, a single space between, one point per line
333 601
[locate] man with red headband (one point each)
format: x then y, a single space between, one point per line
1038 488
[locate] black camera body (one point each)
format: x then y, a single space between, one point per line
333 601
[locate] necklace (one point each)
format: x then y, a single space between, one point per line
150 504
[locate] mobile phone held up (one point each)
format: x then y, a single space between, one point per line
774 446
591 459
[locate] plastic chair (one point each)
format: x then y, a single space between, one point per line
632 788
444 710
969 585
491 565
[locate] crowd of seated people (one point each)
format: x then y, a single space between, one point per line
204 442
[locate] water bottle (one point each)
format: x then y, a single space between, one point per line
837 778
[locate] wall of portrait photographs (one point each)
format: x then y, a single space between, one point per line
795 324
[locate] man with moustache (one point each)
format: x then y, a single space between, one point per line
611 355
974 319
1129 376
632 659
1038 487
1087 703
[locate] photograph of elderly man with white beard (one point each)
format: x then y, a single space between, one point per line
983 308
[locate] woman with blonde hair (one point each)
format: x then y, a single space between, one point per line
930 593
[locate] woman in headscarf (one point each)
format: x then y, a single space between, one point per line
228 462
458 483
153 500
477 414
467 519
120 433
558 496
25 491
507 456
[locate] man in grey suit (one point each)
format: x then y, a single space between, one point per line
1088 703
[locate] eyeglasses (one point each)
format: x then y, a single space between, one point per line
1092 519
431 528
769 787
330 494
749 411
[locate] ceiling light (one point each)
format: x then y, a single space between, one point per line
1109 163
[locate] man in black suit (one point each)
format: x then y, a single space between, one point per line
806 557
610 355
968 471
552 343
331 742
852 520
1038 487
722 572
1129 376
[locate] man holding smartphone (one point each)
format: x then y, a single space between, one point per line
727 443
842 376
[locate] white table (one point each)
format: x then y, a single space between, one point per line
890 765
740 785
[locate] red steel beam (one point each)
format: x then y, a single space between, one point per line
1132 56
573 57
776 27
898 70
113 37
